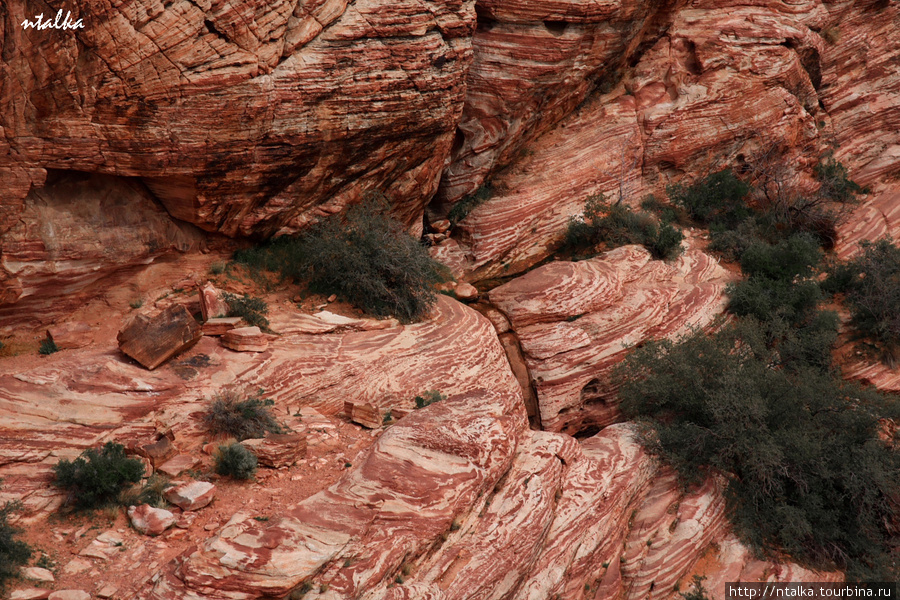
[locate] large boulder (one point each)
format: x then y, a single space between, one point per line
153 340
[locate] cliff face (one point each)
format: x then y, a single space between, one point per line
252 120
163 125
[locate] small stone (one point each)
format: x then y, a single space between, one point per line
332 297
178 465
441 226
107 591
245 339
149 520
191 496
38 574
69 595
76 565
210 526
212 302
365 414
466 291
185 520
220 325
158 451
278 450
30 594
70 335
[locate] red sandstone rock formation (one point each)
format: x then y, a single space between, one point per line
243 118
575 321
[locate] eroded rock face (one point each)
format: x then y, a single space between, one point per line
73 231
534 63
764 87
247 118
540 515
576 320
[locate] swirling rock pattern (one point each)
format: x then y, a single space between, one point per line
575 321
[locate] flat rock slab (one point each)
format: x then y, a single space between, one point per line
149 520
153 340
178 465
246 339
30 594
220 325
191 496
38 574
71 335
69 595
280 450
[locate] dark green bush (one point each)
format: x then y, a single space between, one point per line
698 592
96 479
251 309
836 183
462 208
807 472
429 397
234 413
794 257
368 259
779 283
236 461
719 198
48 346
871 282
364 256
14 553
617 225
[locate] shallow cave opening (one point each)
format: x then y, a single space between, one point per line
557 28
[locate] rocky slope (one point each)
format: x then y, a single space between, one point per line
133 145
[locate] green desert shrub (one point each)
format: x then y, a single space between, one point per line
429 397
235 413
836 184
617 225
871 284
235 461
252 310
462 208
14 553
720 198
806 469
47 346
363 256
779 283
98 478
368 259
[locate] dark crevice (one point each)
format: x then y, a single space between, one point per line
557 28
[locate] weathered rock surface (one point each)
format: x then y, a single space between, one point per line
534 63
212 303
220 326
240 110
576 320
193 495
153 340
149 520
70 335
753 86
245 339
539 517
70 233
278 450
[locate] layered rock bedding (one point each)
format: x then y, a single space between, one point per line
138 152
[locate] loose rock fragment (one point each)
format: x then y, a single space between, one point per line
153 340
